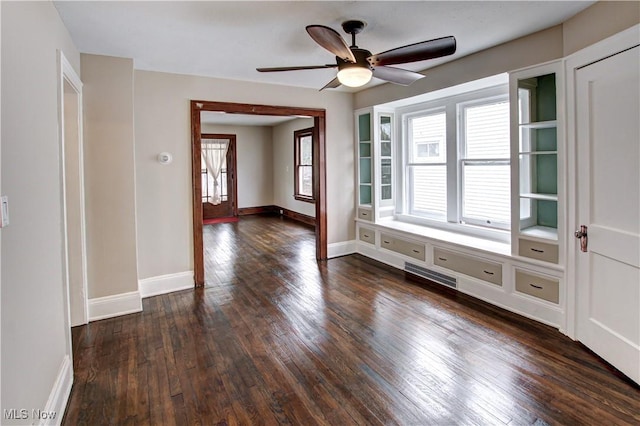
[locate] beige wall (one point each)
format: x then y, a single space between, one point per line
162 123
598 22
254 157
109 175
34 319
533 49
595 23
283 177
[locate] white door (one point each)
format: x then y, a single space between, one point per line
608 193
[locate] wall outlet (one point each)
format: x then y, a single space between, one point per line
4 212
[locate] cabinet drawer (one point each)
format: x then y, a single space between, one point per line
534 285
536 250
469 265
365 214
367 235
408 248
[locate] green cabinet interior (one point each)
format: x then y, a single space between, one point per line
544 167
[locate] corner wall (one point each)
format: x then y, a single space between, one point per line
283 172
36 363
254 158
109 167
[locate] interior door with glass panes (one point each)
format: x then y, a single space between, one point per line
218 166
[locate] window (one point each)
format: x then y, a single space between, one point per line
303 165
484 163
457 162
427 166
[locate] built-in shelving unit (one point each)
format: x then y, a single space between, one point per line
365 160
535 140
375 150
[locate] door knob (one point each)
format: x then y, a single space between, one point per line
582 236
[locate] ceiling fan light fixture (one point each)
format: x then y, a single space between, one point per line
354 76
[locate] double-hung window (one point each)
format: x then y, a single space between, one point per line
484 163
427 164
456 155
303 165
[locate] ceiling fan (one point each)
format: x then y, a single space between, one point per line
356 66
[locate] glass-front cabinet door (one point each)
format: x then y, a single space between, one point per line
386 160
365 160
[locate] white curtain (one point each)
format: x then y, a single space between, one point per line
214 153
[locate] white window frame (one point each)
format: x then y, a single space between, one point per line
463 160
450 104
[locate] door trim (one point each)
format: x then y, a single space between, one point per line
319 169
610 46
234 166
67 75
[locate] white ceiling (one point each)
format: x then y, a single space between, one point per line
229 39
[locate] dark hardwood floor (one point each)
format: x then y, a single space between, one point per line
276 338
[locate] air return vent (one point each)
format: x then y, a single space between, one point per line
431 275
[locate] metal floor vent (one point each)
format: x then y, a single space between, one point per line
431 275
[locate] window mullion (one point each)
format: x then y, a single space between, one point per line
452 163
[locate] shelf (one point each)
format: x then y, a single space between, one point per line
543 232
538 153
545 197
540 125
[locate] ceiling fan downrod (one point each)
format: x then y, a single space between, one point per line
353 27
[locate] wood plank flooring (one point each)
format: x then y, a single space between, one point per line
277 338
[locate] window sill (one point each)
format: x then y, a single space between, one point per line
304 199
450 237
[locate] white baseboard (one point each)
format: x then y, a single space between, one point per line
113 306
341 249
165 284
53 411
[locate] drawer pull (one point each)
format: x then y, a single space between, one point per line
416 251
386 242
366 235
488 272
364 214
443 259
539 287
537 250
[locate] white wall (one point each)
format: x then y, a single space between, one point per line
109 175
34 319
283 173
254 157
162 123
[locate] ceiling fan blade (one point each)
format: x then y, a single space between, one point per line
415 52
310 67
332 84
396 75
332 41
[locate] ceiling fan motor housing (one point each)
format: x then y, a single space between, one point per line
361 59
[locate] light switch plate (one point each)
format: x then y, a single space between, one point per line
4 212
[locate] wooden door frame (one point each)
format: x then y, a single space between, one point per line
234 166
319 169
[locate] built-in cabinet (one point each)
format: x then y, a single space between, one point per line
375 153
526 274
536 167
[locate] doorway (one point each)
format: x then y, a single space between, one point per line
72 171
219 188
319 171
